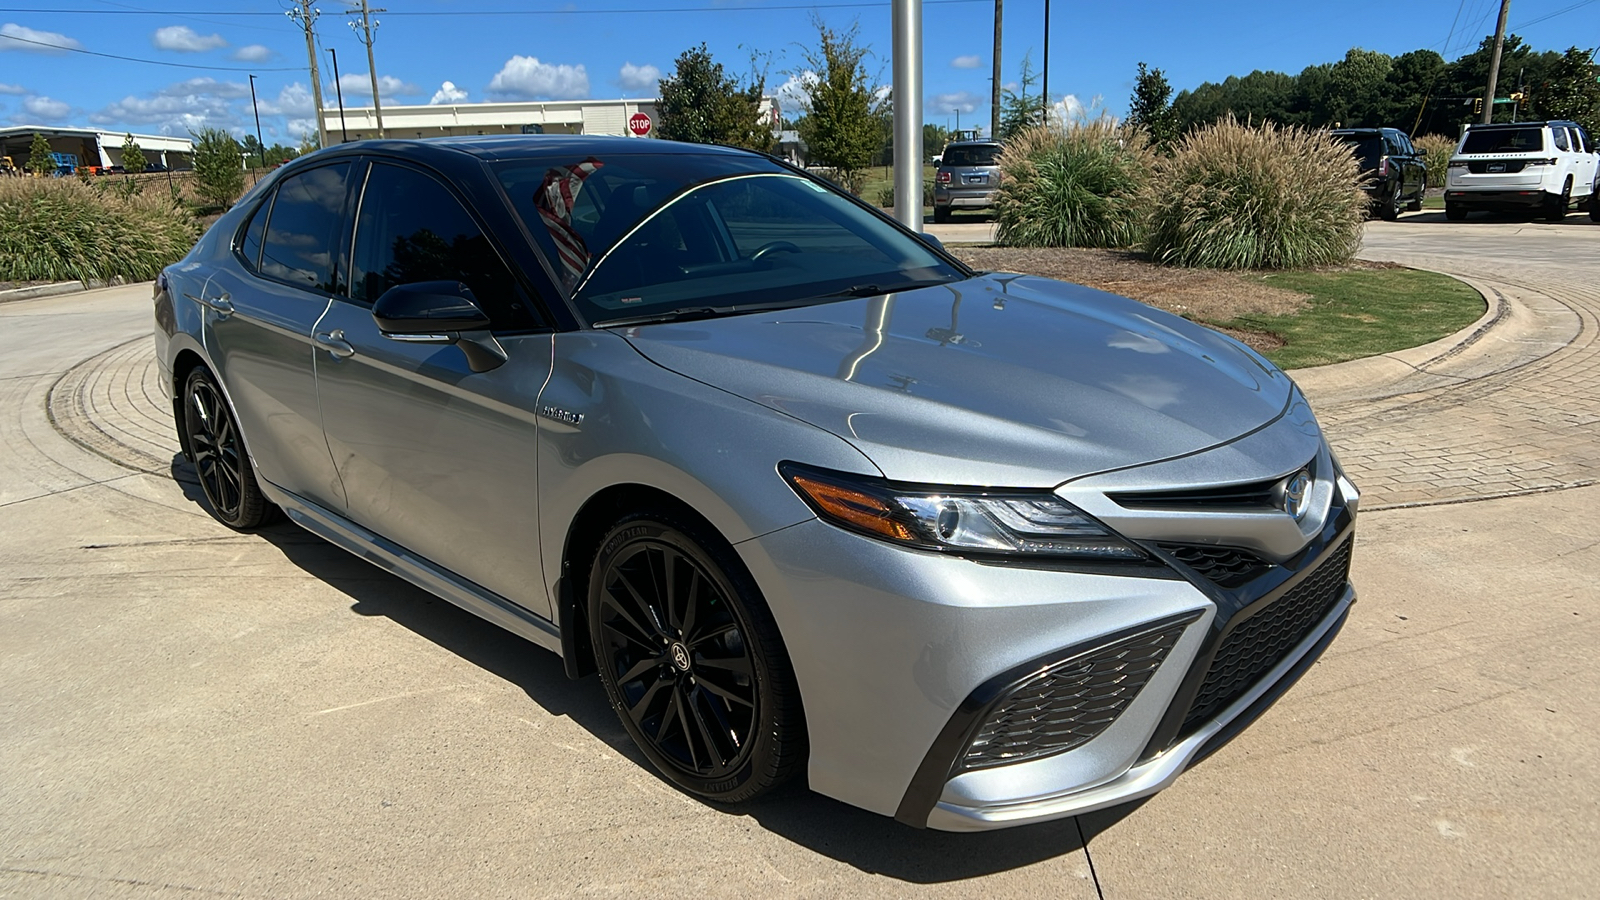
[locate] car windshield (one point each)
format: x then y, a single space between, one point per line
1504 140
972 155
1368 148
636 239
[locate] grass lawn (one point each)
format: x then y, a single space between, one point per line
880 177
1353 313
1433 203
1296 319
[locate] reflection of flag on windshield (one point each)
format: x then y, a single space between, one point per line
556 197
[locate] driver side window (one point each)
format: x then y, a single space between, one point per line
411 229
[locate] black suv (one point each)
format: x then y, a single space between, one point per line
1399 176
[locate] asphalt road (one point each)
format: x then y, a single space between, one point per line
190 712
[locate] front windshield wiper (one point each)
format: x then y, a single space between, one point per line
691 313
874 290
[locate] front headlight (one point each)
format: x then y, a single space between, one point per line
968 521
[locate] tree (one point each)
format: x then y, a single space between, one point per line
1571 91
1354 95
1020 108
132 157
1150 107
218 167
251 147
310 142
39 156
842 127
702 104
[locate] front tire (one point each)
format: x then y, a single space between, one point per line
217 450
692 660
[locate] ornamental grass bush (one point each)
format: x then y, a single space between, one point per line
1236 196
1436 150
56 229
1078 185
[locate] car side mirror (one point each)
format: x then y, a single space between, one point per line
439 312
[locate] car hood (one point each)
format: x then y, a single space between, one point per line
997 380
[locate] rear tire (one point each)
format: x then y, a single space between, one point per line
1455 212
692 660
1555 208
1594 204
941 216
1390 210
216 447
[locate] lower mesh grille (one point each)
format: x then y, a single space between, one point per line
1071 702
1223 566
1262 641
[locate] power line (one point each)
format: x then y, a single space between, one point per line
152 62
457 13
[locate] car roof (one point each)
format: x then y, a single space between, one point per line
491 147
1361 130
1501 126
974 143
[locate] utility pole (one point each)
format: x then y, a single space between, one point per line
363 30
1494 62
307 18
994 83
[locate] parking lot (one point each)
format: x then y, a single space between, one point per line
190 711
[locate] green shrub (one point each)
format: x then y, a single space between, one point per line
885 198
218 168
1078 186
1436 150
1233 196
55 229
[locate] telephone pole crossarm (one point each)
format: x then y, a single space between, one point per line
363 25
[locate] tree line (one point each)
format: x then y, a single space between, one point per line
1418 92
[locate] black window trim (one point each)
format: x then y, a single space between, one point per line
538 309
253 266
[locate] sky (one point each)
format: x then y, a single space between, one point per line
185 63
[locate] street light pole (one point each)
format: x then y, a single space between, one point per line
1044 77
907 26
344 134
260 144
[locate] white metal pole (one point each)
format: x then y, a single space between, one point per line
908 113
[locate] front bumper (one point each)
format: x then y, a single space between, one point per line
897 654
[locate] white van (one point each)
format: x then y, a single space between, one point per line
1524 165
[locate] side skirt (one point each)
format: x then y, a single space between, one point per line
391 557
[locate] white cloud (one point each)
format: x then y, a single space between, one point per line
294 100
183 39
639 78
14 89
526 77
792 93
207 86
448 93
965 101
253 53
359 84
46 109
967 62
29 40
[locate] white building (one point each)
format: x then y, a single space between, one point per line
95 147
523 117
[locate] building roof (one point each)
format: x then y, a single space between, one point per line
109 138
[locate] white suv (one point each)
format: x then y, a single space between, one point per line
1526 165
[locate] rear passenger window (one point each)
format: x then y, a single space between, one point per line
1560 135
303 232
412 229
250 242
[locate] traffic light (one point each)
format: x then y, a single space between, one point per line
1518 97
1477 106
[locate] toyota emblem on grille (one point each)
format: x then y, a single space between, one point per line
1293 493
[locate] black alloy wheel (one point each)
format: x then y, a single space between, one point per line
1391 207
691 659
217 450
1556 207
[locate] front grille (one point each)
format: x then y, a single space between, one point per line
1226 567
1260 642
1071 702
1481 166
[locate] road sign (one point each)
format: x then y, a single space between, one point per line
639 124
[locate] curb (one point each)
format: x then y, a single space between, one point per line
1377 377
42 290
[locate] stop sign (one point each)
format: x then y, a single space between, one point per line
639 124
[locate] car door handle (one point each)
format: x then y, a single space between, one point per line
222 304
334 343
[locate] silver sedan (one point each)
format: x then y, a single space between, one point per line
813 498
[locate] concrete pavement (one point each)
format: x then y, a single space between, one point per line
188 710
